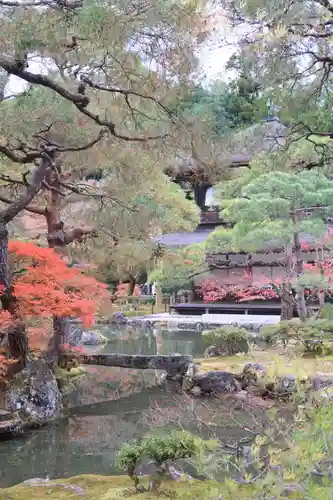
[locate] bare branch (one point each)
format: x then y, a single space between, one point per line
31 190
62 4
13 68
100 196
126 93
28 208
18 157
112 128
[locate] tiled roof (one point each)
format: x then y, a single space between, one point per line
183 239
199 236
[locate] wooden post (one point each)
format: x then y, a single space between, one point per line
159 298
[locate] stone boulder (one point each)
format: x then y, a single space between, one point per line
92 338
321 381
34 394
214 382
119 318
252 373
289 384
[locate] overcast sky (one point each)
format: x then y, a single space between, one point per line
213 59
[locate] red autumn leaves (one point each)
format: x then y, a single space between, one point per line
45 286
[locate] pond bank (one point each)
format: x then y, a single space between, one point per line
201 322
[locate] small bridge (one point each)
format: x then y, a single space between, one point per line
173 364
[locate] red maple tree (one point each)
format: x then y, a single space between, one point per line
44 286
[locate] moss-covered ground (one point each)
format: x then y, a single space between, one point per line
109 488
276 362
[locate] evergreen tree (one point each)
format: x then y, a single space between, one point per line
286 46
274 211
226 106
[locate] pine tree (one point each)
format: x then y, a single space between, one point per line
274 211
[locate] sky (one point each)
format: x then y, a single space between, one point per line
213 58
213 61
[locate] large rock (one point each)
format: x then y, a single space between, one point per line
92 338
321 381
214 382
119 318
34 394
252 373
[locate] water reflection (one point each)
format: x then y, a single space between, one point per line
86 442
128 340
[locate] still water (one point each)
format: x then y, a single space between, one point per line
112 407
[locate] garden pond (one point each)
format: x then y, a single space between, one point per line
110 406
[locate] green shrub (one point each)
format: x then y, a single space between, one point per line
313 335
231 334
129 455
231 339
161 449
173 447
284 331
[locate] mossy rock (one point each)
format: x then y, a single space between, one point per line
109 488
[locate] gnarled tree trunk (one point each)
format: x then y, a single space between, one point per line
131 285
286 295
300 292
58 238
17 339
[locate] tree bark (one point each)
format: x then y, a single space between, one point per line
300 292
286 296
58 238
131 286
287 302
159 297
17 339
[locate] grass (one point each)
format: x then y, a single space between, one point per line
109 488
276 363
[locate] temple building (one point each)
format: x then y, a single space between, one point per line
230 268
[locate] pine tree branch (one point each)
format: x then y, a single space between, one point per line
14 69
125 93
112 127
28 208
80 100
16 157
31 190
62 4
62 238
100 196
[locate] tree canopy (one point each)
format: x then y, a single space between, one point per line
286 47
80 82
226 106
272 208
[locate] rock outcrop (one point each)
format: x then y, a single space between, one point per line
214 382
92 338
34 396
